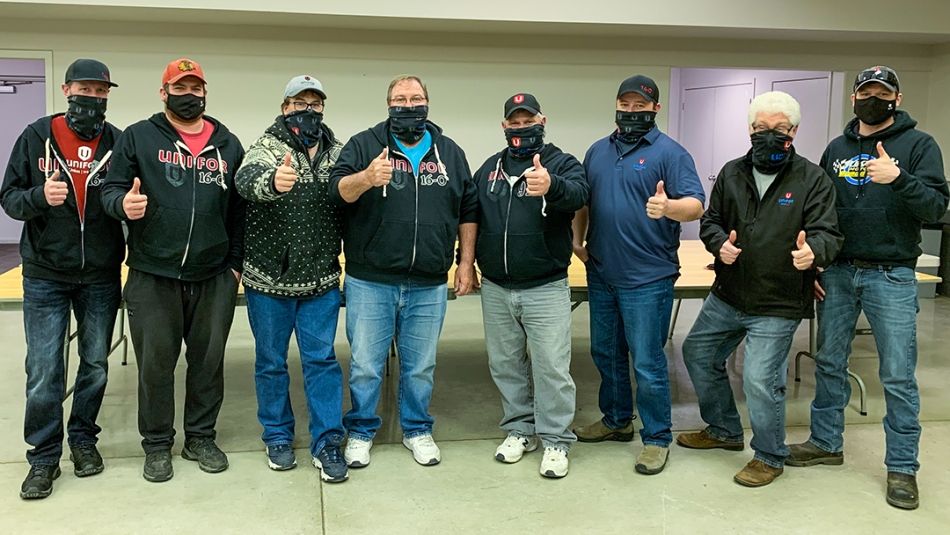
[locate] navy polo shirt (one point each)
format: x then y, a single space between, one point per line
627 248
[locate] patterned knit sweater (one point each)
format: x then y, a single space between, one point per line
292 240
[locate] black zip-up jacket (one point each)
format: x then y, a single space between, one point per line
292 245
881 222
193 227
524 242
763 281
55 244
410 234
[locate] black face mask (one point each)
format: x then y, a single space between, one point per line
632 125
770 150
408 123
526 141
188 107
306 125
873 110
86 116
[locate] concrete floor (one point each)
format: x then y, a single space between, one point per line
470 492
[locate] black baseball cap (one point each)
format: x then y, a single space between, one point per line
642 85
522 101
885 76
88 70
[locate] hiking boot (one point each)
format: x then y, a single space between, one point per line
554 464
652 459
702 440
424 450
808 454
757 474
902 490
281 457
599 432
210 458
39 481
514 447
158 466
332 464
86 460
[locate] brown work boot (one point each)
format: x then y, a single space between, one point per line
599 432
757 474
902 490
808 454
652 459
701 440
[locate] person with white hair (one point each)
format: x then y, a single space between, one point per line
771 223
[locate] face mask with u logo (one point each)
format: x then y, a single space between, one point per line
770 150
526 141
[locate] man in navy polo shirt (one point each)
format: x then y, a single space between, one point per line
643 185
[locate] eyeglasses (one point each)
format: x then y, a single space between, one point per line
300 105
782 129
403 101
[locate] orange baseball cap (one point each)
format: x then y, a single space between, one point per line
180 68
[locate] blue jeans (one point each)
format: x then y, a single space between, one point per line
717 331
377 313
889 301
46 307
314 320
632 321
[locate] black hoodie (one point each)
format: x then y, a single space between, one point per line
410 234
881 222
293 238
523 241
763 281
193 228
55 244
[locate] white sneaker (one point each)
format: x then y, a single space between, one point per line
357 452
514 447
424 449
554 463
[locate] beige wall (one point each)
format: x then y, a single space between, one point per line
469 75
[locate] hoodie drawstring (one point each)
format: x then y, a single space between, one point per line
224 185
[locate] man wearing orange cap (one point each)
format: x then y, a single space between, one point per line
172 181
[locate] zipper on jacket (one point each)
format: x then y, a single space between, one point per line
81 217
194 201
511 193
415 229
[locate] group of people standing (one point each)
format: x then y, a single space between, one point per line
201 216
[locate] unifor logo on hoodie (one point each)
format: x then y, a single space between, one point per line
179 166
854 169
430 174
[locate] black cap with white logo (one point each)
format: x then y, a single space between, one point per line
885 76
88 70
522 101
642 85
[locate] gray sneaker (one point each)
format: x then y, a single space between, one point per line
210 458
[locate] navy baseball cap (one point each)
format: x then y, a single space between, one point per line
89 70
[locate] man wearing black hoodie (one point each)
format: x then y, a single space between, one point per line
890 180
172 180
407 193
527 196
71 255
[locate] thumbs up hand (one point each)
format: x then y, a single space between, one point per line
728 253
380 170
659 204
55 190
882 170
285 177
538 179
134 203
802 257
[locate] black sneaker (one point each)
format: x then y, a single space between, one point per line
332 465
39 482
158 466
86 460
210 458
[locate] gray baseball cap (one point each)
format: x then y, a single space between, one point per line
304 82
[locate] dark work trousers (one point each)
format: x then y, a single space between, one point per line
163 312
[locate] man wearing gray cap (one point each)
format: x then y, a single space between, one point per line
890 180
71 256
292 276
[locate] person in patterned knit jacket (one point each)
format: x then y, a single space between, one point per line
292 276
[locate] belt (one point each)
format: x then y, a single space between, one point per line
867 265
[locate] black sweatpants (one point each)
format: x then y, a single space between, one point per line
163 312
